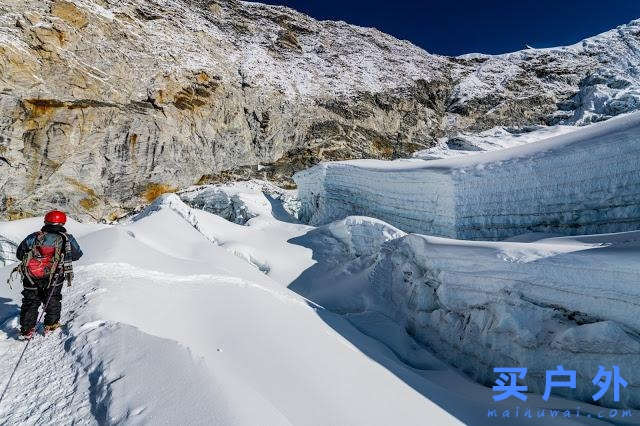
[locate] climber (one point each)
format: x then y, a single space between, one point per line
45 258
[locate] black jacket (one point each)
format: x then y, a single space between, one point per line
27 243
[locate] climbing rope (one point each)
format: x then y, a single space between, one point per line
27 345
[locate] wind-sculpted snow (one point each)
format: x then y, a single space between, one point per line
481 305
162 326
239 202
167 319
362 235
583 182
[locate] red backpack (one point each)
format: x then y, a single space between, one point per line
44 258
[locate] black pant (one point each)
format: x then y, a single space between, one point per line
31 300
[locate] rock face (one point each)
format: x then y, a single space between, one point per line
105 104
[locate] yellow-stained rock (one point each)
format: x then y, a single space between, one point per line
69 13
154 190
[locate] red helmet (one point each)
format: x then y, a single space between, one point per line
55 217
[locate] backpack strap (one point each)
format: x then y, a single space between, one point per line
67 264
57 257
27 258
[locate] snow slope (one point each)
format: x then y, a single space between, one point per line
165 327
168 322
582 182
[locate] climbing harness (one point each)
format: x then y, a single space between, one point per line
67 270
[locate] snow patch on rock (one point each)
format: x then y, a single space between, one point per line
466 143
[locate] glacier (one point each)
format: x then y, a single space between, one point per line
291 319
481 304
525 256
582 182
360 309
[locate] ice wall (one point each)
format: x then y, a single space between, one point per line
411 200
584 182
479 305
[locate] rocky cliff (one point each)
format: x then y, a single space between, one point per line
104 104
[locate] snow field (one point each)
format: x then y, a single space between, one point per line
170 322
166 327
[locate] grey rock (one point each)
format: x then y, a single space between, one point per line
104 104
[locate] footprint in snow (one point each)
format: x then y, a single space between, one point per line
92 325
137 411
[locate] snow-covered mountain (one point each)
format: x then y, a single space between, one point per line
105 104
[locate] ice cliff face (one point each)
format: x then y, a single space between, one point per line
484 304
583 182
105 104
481 305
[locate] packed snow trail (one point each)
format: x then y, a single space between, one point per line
49 386
29 338
72 374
